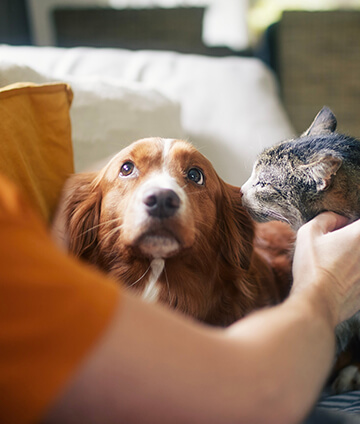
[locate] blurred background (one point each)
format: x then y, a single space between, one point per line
313 46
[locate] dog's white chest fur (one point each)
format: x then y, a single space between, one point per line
152 289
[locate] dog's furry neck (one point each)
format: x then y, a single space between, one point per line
152 289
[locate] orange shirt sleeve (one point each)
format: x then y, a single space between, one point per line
53 309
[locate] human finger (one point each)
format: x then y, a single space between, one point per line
327 222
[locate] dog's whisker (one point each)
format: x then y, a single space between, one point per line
113 230
184 186
88 245
193 194
111 233
99 225
204 223
139 279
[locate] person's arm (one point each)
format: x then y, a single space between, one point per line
154 366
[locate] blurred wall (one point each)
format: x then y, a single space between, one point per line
14 24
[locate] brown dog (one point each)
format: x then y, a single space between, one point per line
160 220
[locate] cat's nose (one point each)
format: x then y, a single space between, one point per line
241 193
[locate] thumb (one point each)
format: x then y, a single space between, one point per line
327 222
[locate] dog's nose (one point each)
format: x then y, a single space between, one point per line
161 203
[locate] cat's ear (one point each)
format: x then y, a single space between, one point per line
322 170
324 123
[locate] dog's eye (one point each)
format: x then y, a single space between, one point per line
195 175
127 169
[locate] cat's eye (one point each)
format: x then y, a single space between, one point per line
196 175
262 184
127 169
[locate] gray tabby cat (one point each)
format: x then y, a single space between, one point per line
299 178
296 180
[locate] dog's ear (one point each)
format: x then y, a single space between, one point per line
237 228
77 218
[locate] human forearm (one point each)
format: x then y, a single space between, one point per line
290 350
154 366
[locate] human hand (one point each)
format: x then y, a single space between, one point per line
327 264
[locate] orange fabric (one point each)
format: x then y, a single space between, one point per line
52 311
35 140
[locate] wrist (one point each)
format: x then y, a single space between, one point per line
316 299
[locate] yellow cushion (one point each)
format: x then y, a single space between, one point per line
35 141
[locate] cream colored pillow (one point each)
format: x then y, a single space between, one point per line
35 141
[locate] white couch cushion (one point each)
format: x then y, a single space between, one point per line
107 115
230 108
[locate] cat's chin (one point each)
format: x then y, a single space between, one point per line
294 222
270 215
257 215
